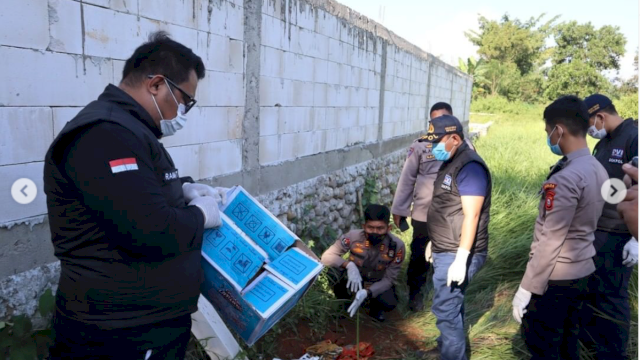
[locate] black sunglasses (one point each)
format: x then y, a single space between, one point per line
190 101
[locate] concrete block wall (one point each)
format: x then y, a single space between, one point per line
301 88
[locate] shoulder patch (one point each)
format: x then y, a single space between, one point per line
410 152
549 186
399 256
346 242
548 201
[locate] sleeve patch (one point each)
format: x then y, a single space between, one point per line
549 186
346 242
399 256
548 201
410 152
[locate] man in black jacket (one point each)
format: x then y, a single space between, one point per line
126 228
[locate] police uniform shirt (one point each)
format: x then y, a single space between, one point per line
416 182
570 205
379 265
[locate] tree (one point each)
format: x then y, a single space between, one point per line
601 48
498 78
512 41
576 78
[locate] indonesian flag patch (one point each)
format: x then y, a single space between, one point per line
121 165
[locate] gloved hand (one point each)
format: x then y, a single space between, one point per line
427 253
361 295
520 302
192 191
630 253
354 284
209 208
458 269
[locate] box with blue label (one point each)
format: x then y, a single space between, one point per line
255 269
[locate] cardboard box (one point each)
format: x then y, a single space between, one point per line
255 269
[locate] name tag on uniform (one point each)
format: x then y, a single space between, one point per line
171 175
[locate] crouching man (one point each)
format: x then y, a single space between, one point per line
375 259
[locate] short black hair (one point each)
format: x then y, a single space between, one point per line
611 110
569 111
162 56
375 212
441 106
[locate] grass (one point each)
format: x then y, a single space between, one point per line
516 152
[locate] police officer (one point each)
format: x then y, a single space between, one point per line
416 186
458 221
607 330
554 286
127 232
375 259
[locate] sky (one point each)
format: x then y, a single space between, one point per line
438 26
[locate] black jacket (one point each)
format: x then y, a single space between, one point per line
445 214
612 152
129 246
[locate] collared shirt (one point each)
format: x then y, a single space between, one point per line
570 205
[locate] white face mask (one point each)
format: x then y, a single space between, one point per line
170 127
595 133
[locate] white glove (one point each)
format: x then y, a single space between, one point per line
192 191
209 208
520 302
630 253
361 295
458 269
427 253
354 284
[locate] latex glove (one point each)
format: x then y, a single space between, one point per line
192 191
427 253
458 269
361 295
520 302
630 253
209 207
354 284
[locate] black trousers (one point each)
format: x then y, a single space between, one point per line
386 301
162 340
418 265
607 316
551 325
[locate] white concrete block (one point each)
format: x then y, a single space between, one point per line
236 56
343 118
105 40
187 160
21 86
61 116
371 134
306 18
275 91
24 23
118 67
221 89
320 46
352 117
304 144
295 120
26 136
219 158
271 62
287 147
342 139
102 3
205 124
362 116
341 96
319 118
273 8
269 149
128 6
356 135
302 41
235 118
331 140
320 71
302 93
214 51
333 72
11 210
64 22
346 75
335 50
269 119
234 22
372 115
320 95
272 33
175 12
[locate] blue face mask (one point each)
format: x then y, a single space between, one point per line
555 148
440 153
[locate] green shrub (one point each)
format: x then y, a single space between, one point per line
627 106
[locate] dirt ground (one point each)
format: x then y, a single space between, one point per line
395 338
